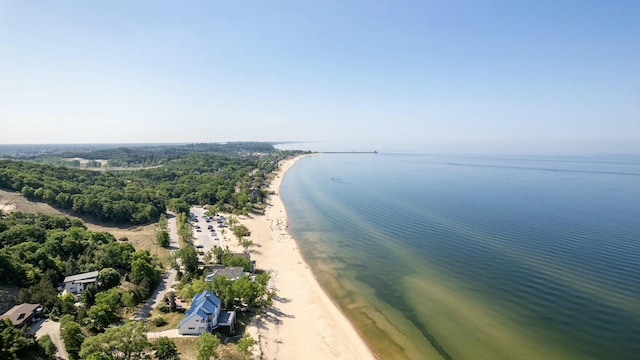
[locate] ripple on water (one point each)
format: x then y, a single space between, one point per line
543 252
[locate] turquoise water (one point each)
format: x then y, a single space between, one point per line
483 257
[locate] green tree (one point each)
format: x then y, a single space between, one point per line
162 231
163 239
178 206
47 345
245 345
108 278
99 356
212 210
246 243
71 334
189 258
232 222
184 229
125 342
89 296
129 300
141 269
206 345
105 311
41 293
163 223
240 230
245 290
65 319
12 342
166 349
99 317
158 320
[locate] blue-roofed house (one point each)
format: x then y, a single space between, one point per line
205 315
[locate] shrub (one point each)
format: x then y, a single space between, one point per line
158 320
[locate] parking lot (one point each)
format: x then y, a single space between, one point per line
206 234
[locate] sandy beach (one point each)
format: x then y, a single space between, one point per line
303 323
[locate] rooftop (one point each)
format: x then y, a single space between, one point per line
229 272
20 313
84 277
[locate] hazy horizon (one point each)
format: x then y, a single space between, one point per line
471 76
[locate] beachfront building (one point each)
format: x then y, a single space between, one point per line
76 284
231 273
205 315
21 315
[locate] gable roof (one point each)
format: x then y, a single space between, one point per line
84 277
20 313
206 296
204 304
229 272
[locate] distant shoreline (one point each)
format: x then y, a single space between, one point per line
348 152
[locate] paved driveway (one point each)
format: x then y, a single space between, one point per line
51 328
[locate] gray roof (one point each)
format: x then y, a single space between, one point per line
84 277
229 272
226 317
20 313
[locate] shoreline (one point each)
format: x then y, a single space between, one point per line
303 321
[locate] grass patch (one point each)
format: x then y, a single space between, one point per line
187 348
173 319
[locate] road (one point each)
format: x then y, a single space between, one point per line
173 232
51 328
167 279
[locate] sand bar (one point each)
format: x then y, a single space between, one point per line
303 323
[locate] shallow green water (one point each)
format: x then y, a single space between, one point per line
476 257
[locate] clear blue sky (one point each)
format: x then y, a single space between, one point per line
473 75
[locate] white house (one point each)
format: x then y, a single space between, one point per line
76 284
205 315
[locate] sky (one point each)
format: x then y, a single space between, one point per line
481 75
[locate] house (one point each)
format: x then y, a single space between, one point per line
205 315
21 315
232 273
76 284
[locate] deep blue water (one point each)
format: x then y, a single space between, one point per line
479 256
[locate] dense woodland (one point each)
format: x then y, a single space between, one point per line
37 251
230 176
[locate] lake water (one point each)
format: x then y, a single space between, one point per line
476 257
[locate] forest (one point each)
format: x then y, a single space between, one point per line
38 251
229 176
